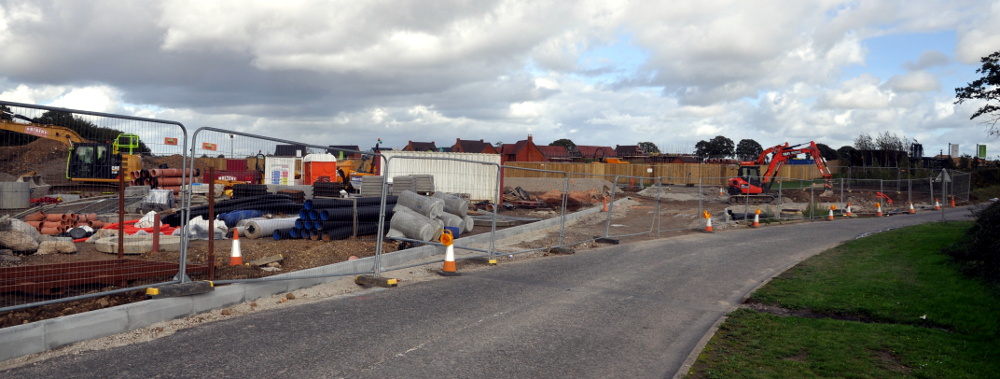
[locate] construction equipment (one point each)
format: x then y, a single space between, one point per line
87 161
750 185
351 170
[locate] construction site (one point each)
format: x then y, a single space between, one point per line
90 224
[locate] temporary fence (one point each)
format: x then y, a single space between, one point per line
293 204
73 176
297 207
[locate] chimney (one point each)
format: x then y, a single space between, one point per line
529 138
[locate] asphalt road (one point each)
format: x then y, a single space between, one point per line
633 310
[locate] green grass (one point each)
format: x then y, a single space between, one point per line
924 319
986 193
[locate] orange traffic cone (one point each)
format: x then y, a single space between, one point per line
605 209
847 211
912 211
722 192
449 268
708 222
756 218
937 204
236 259
829 216
878 209
952 201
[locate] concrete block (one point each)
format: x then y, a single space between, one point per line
66 330
222 297
22 340
149 312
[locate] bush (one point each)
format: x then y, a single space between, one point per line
979 250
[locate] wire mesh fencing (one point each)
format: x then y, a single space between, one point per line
75 189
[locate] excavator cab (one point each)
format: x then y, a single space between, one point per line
89 161
747 181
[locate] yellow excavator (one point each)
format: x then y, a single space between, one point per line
87 161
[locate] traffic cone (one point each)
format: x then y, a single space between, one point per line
236 259
756 218
878 209
829 216
449 268
708 222
847 211
912 211
952 201
605 209
722 192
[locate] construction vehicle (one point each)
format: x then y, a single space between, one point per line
87 161
750 185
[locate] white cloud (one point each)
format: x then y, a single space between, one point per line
349 71
916 81
862 92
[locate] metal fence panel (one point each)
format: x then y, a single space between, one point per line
76 185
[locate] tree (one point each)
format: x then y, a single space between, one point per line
848 154
986 88
828 152
718 147
648 148
748 150
84 128
564 142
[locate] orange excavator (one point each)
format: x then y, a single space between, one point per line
750 185
87 161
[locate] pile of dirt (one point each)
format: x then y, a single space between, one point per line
42 156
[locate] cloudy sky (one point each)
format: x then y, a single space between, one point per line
600 72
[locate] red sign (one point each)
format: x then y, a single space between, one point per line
209 146
170 141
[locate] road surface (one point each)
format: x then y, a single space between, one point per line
637 310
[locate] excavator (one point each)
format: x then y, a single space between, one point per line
87 161
750 185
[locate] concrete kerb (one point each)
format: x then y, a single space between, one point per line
54 333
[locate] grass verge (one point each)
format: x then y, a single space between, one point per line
885 306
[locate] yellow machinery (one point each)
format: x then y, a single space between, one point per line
87 161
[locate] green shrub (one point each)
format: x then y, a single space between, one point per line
979 250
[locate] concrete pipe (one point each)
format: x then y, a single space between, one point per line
414 225
453 221
453 204
470 223
431 207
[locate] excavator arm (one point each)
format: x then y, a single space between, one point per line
780 154
52 132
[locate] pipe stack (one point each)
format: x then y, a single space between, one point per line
162 178
423 217
58 223
335 219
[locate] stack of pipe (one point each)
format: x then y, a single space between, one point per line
162 178
275 204
334 219
423 217
58 223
